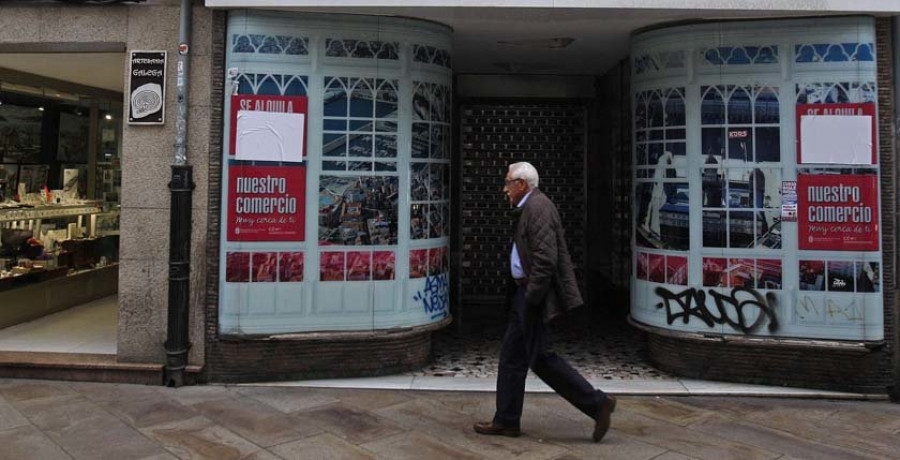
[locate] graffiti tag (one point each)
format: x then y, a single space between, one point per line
733 310
435 298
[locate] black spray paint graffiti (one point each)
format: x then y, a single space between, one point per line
435 298
731 310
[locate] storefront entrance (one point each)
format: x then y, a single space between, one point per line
60 177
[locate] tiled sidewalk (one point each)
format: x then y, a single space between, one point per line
58 420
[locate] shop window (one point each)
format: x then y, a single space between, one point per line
429 167
270 44
363 49
741 175
834 52
836 92
740 55
656 62
661 193
431 55
271 84
360 124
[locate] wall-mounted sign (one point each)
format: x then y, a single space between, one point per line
836 134
266 203
838 212
147 86
284 136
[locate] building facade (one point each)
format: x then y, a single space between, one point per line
344 162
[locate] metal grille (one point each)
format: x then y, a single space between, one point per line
493 135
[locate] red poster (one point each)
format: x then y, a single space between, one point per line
266 203
836 109
838 212
259 103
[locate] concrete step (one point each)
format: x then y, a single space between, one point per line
82 367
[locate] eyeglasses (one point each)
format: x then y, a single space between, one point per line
510 181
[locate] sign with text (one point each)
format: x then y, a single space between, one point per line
256 126
266 203
789 201
838 212
836 134
147 86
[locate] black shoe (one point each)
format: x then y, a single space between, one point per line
604 418
489 428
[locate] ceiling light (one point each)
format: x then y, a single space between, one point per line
546 43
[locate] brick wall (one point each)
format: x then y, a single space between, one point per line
318 356
549 135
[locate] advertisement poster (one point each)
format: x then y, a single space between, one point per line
836 134
358 210
147 83
260 103
266 203
789 201
838 212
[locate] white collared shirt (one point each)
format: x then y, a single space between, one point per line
515 264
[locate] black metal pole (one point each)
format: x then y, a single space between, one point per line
181 186
177 338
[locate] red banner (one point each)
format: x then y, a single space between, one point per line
836 109
259 103
266 203
838 212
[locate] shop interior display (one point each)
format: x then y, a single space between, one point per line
60 177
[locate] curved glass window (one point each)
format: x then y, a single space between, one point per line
721 241
353 235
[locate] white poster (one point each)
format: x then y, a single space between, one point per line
270 136
836 139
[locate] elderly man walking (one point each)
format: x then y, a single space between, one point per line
545 287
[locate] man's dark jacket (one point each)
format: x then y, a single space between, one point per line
540 240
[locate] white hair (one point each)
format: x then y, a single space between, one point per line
524 170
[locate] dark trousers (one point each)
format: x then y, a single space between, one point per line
524 346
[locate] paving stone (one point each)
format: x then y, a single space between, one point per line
455 429
685 440
199 437
190 395
288 399
575 436
816 425
84 430
666 410
774 440
676 456
149 410
354 425
112 391
478 405
415 446
28 442
16 391
254 421
370 399
322 446
10 417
